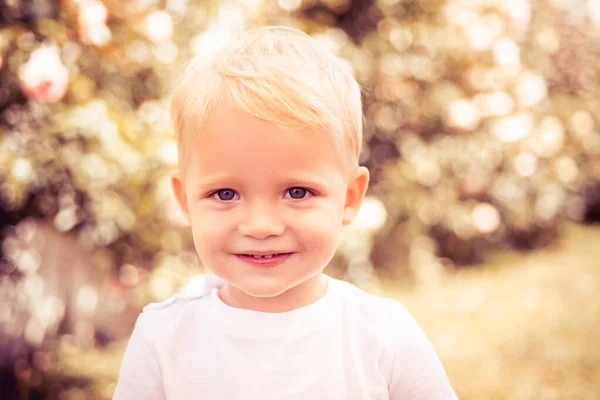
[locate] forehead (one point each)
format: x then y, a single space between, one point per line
241 144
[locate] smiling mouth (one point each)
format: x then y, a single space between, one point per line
259 256
264 260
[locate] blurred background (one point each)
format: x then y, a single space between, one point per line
482 137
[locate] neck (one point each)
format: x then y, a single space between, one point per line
299 296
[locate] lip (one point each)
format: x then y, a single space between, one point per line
264 262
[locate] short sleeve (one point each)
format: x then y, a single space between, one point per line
140 376
417 372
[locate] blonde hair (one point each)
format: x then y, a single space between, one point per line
277 74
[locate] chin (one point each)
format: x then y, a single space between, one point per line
264 287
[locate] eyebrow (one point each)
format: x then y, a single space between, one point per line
301 179
214 180
315 181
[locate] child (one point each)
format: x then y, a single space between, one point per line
269 133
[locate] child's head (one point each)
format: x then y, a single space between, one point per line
277 74
269 134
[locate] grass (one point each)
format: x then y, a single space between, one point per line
522 326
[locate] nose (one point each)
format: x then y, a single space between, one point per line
260 222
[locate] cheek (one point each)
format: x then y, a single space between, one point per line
207 234
319 228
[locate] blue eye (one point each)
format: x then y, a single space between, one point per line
225 194
297 193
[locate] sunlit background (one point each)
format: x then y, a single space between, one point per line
482 137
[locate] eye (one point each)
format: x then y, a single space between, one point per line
225 194
298 193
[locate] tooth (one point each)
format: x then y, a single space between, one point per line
265 256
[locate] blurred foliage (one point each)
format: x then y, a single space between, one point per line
481 135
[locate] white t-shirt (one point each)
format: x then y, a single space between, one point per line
347 345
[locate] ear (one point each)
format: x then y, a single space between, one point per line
178 186
357 187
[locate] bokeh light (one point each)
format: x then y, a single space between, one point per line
482 138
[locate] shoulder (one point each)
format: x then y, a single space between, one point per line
167 316
383 325
385 319
198 287
373 309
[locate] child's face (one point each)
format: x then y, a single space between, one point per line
252 188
